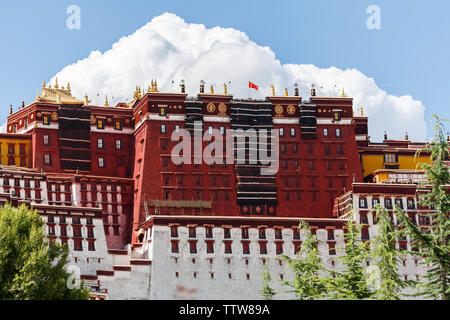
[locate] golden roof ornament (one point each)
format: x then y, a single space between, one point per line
86 99
56 94
106 101
153 87
286 92
361 111
225 90
272 89
211 89
343 93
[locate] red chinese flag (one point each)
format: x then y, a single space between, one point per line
252 85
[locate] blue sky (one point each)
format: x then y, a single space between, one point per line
408 56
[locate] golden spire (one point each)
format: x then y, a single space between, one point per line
361 111
286 92
211 89
86 99
155 89
272 89
43 84
343 93
68 86
225 91
56 84
106 101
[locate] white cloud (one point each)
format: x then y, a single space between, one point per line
167 48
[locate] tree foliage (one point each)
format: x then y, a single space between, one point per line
385 258
350 283
306 266
432 242
30 268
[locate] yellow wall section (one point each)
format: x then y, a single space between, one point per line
4 142
371 162
409 162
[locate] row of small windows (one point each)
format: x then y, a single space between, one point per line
310 148
216 195
410 203
292 131
311 164
101 144
12 149
222 180
101 124
227 233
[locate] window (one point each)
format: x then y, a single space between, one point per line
46 139
100 143
118 125
295 148
245 248
163 128
363 203
177 128
192 232
263 247
175 247
399 203
78 245
262 233
210 130
174 231
47 159
11 149
100 124
388 203
245 233
118 144
325 132
210 247
281 132
340 149
390 158
91 245
411 204
193 247
209 232
283 148
227 233
101 162
292 132
278 234
375 201
46 120
338 133
222 130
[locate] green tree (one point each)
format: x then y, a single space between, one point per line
30 268
386 258
267 292
350 283
432 243
306 266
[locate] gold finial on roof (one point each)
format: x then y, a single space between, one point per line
153 87
272 89
86 99
56 84
361 111
68 86
225 89
211 89
43 84
343 93
286 92
106 101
